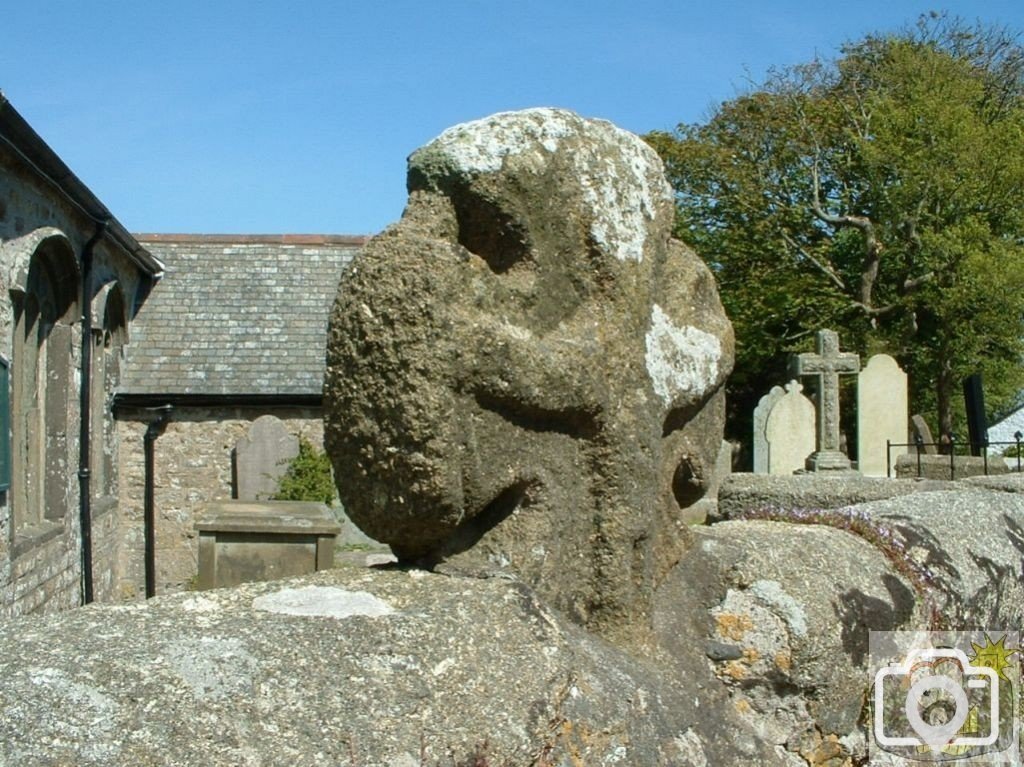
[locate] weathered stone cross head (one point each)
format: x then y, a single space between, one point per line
826 365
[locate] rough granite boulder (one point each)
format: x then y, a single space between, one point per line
345 668
780 613
526 372
761 656
742 492
783 610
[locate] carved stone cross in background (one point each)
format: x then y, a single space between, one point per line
826 365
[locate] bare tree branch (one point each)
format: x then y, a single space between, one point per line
872 245
913 283
875 311
825 269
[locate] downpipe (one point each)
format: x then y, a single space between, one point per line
85 416
153 431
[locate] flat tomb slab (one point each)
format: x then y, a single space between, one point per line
245 541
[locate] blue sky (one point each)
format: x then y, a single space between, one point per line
273 116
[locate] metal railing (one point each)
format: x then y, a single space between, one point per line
949 449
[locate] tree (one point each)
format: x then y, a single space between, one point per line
880 194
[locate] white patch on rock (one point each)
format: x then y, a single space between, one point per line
680 361
84 697
443 666
323 602
773 595
624 191
405 759
90 714
481 146
214 668
621 178
199 605
617 755
691 750
516 332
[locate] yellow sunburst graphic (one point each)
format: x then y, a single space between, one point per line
993 655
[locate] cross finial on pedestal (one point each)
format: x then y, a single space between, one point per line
826 365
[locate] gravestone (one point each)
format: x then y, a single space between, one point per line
919 427
882 410
827 364
262 457
764 407
790 431
526 372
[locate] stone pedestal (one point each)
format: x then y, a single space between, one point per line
828 460
241 541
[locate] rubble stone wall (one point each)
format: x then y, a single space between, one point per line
193 464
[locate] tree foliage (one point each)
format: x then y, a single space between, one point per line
880 194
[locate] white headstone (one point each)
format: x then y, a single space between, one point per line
764 407
262 457
882 414
790 430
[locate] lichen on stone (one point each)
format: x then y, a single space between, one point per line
680 360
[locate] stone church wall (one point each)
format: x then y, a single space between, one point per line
193 464
40 541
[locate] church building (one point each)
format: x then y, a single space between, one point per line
104 336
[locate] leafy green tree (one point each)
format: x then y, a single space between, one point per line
308 477
880 194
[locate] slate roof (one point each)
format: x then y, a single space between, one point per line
236 315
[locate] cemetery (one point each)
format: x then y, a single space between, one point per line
524 401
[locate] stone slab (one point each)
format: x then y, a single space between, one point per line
920 428
789 431
791 603
938 466
283 517
761 412
743 492
882 414
346 667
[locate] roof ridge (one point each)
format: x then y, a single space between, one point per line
256 239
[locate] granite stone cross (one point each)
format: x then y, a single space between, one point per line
826 365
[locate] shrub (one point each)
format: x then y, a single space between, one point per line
308 477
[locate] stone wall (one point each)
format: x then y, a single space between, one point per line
193 465
106 542
40 540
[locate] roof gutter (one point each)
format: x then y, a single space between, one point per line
124 401
21 139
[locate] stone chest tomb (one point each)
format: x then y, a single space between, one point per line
243 541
